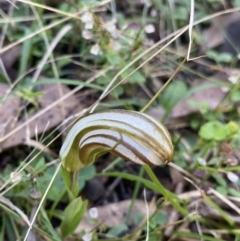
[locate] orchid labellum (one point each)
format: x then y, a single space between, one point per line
132 135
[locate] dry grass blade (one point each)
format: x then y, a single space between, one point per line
13 207
13 3
42 147
54 43
225 200
48 47
21 40
26 19
191 20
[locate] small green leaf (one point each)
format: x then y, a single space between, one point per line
204 107
235 96
105 79
112 58
232 128
234 192
157 220
220 180
117 91
219 57
43 181
225 58
178 13
168 99
212 55
136 78
115 231
160 218
86 174
194 123
138 218
157 235
73 214
222 190
40 163
213 130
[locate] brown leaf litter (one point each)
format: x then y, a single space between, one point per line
114 214
45 121
211 97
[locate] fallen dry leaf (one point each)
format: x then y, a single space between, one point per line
114 214
231 39
9 57
192 104
48 119
9 108
211 96
214 35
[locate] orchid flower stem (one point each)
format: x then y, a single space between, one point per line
74 177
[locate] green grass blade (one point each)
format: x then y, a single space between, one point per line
64 81
171 197
221 212
25 55
131 177
197 236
